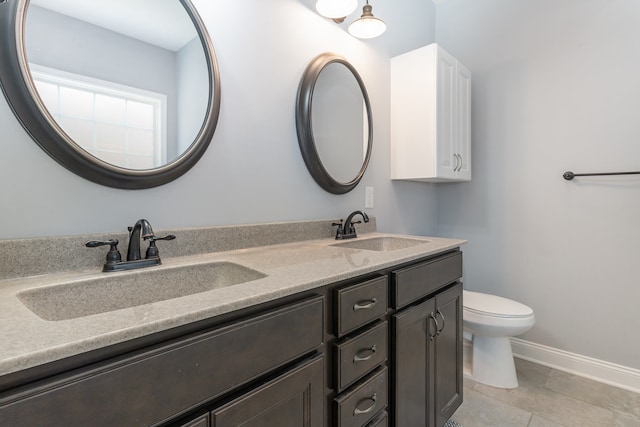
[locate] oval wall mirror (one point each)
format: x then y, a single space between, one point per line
123 93
334 123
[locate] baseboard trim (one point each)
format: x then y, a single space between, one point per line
597 370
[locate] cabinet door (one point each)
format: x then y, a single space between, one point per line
446 115
463 122
448 354
293 399
414 330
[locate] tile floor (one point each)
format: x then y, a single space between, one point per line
548 398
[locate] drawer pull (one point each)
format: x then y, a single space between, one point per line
435 322
357 357
442 316
365 304
369 409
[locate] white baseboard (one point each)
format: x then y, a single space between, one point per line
597 370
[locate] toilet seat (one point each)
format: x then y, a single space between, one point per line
494 306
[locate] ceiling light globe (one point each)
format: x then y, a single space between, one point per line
367 27
336 8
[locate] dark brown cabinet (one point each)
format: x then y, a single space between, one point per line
152 387
381 349
293 399
428 360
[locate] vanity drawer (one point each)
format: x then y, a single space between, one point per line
382 420
414 282
357 407
357 305
359 355
153 386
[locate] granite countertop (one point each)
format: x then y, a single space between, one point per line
289 268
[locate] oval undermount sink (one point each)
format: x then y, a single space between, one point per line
381 244
116 291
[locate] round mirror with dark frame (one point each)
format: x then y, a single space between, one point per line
125 94
334 123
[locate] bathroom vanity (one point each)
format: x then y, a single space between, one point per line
361 333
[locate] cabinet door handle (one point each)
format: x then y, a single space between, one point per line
357 358
442 316
458 163
435 322
363 305
373 398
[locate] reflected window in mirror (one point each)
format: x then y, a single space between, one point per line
124 126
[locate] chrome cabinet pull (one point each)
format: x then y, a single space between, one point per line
363 305
435 322
442 316
373 398
458 163
357 357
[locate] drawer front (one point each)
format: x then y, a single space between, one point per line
294 398
414 282
357 356
157 385
357 407
382 420
360 304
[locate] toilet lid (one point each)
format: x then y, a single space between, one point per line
492 305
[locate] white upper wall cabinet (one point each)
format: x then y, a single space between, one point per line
430 116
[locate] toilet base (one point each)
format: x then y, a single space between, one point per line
492 362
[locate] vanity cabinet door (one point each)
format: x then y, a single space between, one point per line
413 365
448 354
293 399
428 360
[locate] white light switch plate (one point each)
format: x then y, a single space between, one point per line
368 197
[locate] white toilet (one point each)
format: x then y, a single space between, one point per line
490 321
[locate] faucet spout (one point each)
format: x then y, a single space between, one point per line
349 229
141 230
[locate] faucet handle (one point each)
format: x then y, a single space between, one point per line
152 250
113 255
340 229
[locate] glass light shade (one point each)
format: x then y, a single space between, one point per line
336 8
368 26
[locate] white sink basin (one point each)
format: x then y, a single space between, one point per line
114 291
381 244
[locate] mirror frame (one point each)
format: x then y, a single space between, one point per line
20 92
305 129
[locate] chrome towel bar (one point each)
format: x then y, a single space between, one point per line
570 175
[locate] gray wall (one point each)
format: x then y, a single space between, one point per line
253 171
193 84
555 88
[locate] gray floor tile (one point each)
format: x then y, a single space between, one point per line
538 421
548 398
595 393
479 410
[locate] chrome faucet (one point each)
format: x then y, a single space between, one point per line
141 230
348 229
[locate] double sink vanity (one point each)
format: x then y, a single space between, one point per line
259 325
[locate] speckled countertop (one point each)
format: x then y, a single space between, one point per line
289 268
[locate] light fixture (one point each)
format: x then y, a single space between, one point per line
336 9
368 26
